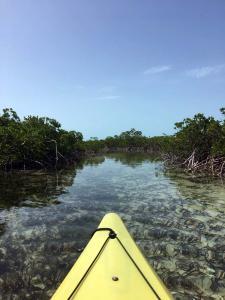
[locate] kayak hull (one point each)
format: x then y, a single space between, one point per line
112 268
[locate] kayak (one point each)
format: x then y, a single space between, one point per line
111 267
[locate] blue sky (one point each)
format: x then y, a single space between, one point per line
104 66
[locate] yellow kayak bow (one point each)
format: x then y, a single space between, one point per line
111 267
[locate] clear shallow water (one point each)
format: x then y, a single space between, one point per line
178 221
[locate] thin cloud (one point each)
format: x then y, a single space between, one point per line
108 97
107 89
157 69
205 71
79 87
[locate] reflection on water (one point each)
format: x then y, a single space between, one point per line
177 221
34 189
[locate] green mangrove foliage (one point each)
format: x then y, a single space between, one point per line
198 143
130 141
35 142
200 134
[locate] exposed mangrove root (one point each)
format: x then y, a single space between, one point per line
214 166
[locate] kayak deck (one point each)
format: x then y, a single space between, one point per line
111 267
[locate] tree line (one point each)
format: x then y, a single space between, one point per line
198 144
34 142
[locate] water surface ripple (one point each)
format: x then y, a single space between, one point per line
177 220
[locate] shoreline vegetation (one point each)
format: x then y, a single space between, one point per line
197 146
36 143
